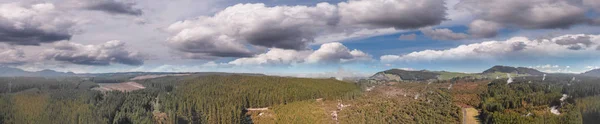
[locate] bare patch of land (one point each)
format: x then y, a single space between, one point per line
123 87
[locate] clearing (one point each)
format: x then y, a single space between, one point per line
123 87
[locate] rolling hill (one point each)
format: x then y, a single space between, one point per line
509 69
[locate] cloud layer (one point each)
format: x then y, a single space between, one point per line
103 54
34 24
238 27
512 49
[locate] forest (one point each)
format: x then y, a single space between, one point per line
269 99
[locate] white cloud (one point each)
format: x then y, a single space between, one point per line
328 53
514 48
274 56
548 68
443 34
103 54
335 53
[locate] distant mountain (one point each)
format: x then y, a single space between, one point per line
399 75
595 73
509 69
11 72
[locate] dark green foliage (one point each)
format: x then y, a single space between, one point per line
523 102
221 99
205 99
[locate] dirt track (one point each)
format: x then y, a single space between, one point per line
470 116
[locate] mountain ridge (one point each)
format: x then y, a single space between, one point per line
510 69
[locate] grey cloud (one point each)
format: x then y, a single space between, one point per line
34 24
575 47
286 38
585 40
99 55
113 7
407 37
398 14
529 14
518 46
30 36
443 34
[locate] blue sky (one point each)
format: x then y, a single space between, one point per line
310 38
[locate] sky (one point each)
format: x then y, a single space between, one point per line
307 38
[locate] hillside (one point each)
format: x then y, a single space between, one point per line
399 75
508 69
594 73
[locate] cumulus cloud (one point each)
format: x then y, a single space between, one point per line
112 7
443 34
286 27
103 54
9 55
34 24
407 37
484 29
336 52
553 68
514 48
294 27
274 56
328 53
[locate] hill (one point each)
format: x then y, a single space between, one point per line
12 72
509 69
399 75
594 73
